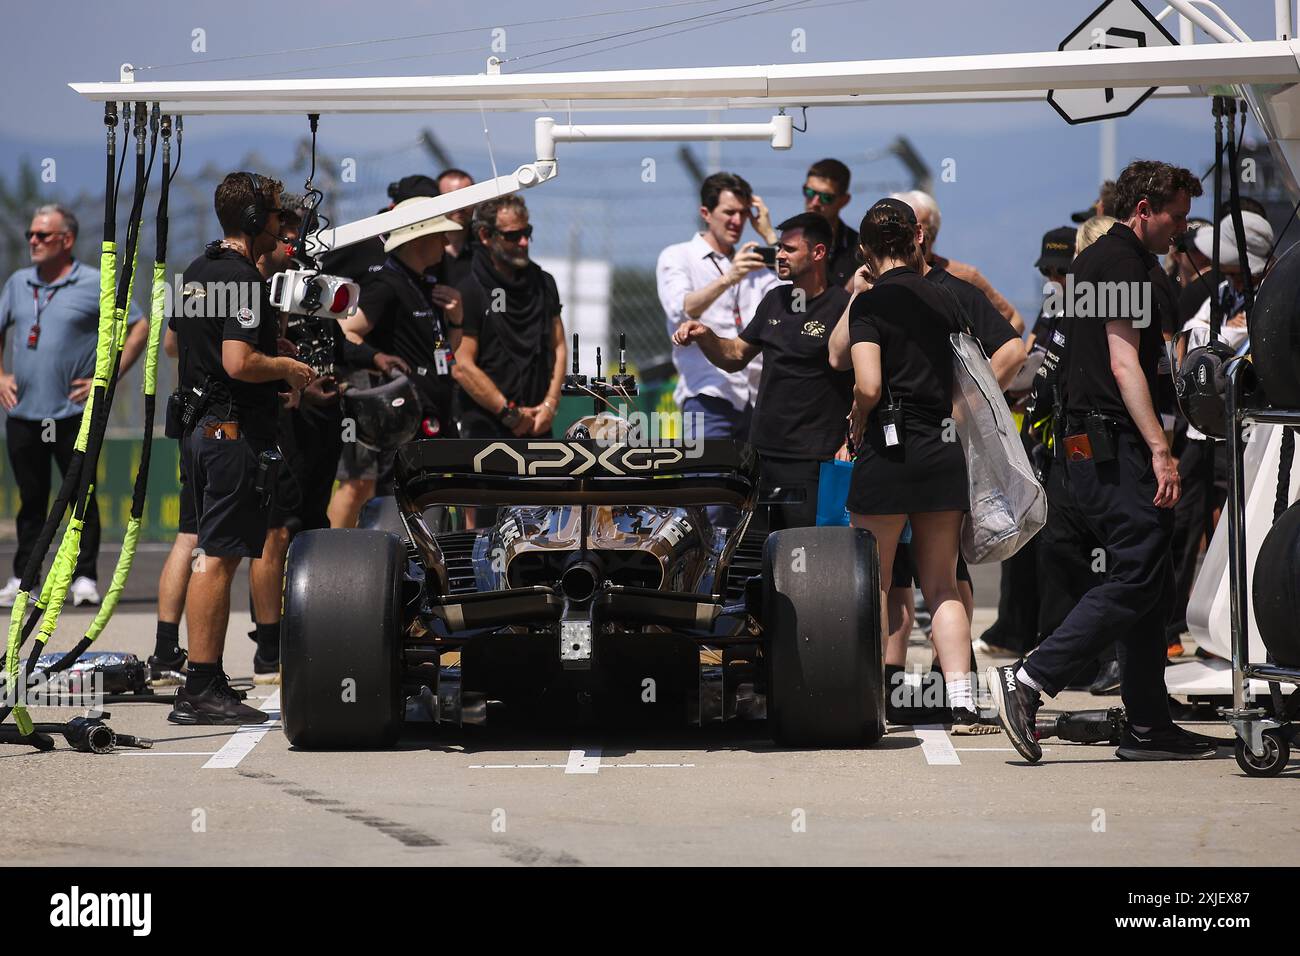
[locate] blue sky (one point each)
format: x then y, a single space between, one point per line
1020 168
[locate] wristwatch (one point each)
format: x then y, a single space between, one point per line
509 415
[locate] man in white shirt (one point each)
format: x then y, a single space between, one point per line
708 280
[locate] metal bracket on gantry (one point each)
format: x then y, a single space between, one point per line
779 131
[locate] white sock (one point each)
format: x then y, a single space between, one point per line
959 694
1028 681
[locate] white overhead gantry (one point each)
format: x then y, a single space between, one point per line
1267 72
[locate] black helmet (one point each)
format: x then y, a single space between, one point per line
387 415
1201 385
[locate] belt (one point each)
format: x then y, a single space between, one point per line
227 431
1074 426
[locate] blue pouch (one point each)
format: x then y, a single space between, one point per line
833 492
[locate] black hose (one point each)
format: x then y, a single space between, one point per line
1238 226
1286 455
1216 306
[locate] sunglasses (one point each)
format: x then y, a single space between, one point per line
826 198
514 235
42 236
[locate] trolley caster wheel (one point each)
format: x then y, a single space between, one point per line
1276 753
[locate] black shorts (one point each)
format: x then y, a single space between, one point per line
230 516
905 567
189 518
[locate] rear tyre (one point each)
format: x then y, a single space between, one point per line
340 644
821 620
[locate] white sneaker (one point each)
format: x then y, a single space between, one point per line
9 592
84 592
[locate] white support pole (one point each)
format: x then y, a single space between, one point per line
779 131
1108 161
1282 17
1186 8
530 174
1186 31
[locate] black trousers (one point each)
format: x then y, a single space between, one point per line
1065 550
790 476
1203 471
29 457
317 440
1132 604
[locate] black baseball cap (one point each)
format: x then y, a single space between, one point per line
1058 249
900 207
409 187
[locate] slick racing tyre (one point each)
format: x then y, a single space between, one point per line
821 621
340 648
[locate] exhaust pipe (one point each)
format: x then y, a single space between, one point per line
580 580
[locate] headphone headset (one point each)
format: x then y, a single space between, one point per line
254 216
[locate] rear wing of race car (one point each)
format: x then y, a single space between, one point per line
575 472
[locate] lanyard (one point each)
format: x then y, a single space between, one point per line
735 296
34 334
424 297
37 306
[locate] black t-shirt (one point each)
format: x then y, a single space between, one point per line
1117 257
842 259
991 328
356 261
453 270
225 298
407 324
516 352
911 319
802 401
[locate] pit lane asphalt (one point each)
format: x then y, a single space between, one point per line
505 795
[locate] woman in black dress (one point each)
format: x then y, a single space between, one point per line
910 465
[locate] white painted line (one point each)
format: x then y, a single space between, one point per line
245 738
518 766
586 760
936 746
997 749
164 753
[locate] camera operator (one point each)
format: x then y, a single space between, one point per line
315 431
802 402
404 311
1118 472
229 376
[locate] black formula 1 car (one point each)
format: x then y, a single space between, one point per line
605 586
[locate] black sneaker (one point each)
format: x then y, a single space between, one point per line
1108 680
216 705
968 722
167 670
1165 743
266 670
908 716
1017 705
